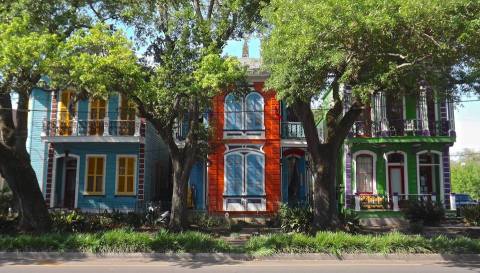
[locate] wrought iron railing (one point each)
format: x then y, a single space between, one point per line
292 130
394 128
99 127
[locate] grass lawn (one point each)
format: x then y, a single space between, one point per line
124 241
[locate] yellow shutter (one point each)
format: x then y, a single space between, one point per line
64 117
95 175
126 175
127 117
97 114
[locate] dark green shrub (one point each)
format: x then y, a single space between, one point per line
205 221
8 225
471 214
350 221
428 212
295 219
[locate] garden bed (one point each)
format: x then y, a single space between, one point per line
126 241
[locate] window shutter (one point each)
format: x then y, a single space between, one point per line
233 112
234 174
255 170
254 112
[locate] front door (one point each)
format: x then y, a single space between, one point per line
395 174
426 179
70 183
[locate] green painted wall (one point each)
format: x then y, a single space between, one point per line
411 153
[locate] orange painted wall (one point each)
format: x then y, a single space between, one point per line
271 148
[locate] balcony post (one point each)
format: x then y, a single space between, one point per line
434 197
453 203
357 202
137 127
395 202
106 126
44 128
74 126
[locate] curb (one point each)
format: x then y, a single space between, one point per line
225 257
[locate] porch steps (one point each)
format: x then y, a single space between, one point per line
390 222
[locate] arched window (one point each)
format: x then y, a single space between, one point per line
364 173
254 111
244 113
233 112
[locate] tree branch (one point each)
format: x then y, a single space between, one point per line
210 9
198 9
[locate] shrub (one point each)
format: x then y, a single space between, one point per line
295 219
206 221
471 214
428 212
338 243
8 225
350 220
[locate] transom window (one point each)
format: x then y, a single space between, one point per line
95 174
244 113
364 173
126 166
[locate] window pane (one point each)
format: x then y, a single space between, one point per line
99 184
255 170
234 113
254 111
364 174
99 170
90 182
121 184
130 166
130 184
234 174
91 165
121 166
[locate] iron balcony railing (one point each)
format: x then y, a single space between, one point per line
99 127
292 130
394 128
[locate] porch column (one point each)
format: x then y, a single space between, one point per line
348 176
395 202
453 204
445 168
357 202
106 126
380 114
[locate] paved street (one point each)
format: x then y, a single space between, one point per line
290 266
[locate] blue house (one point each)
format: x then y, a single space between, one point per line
94 154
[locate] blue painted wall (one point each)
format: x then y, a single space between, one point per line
40 102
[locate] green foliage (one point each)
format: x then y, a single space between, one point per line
206 221
117 241
295 219
340 243
427 212
471 214
350 220
77 222
466 174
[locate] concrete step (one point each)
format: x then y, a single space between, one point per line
384 222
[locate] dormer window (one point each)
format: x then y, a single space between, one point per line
244 113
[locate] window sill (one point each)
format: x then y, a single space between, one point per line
94 194
125 195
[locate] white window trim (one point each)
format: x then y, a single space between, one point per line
135 174
354 164
54 178
405 171
440 169
89 111
243 195
243 105
85 192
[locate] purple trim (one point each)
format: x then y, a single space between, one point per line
348 176
446 175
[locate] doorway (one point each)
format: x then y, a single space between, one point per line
70 181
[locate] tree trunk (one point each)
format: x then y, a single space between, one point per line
325 211
31 206
16 168
181 174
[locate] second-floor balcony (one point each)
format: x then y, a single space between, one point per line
292 130
104 129
398 128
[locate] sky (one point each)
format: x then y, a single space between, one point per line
467 115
